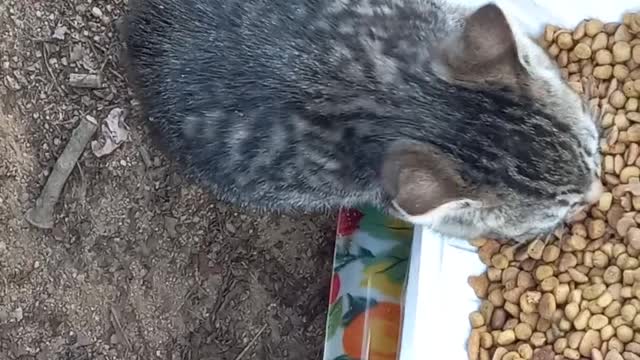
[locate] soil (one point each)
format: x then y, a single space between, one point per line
141 263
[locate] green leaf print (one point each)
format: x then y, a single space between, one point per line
377 224
400 252
344 259
344 357
397 271
335 317
365 253
356 306
388 271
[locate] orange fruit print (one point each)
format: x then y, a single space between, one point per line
374 333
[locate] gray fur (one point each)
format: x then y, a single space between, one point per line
299 105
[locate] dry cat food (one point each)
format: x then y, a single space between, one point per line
578 295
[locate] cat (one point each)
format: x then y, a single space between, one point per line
446 116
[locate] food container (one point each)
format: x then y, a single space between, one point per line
392 288
369 273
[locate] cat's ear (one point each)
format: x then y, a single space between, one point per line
419 181
484 50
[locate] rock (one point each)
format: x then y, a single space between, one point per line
18 314
59 33
95 11
230 228
170 224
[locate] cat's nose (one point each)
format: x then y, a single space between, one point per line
595 192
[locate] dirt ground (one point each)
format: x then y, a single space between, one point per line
141 264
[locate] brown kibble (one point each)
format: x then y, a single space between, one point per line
604 204
622 34
500 353
596 355
590 341
613 355
604 300
621 52
577 276
582 51
567 261
635 54
574 339
500 261
561 293
612 275
525 280
603 72
629 89
633 347
600 259
549 284
599 42
624 333
615 214
607 332
571 354
628 312
498 319
634 133
525 351
579 31
486 309
617 99
594 291
509 276
592 27
487 251
535 249
620 72
551 253
598 321
582 320
607 120
621 122
538 339
506 337
633 237
547 306
624 224
565 41
604 57
553 50
544 272
486 340
529 301
616 344
473 345
480 285
549 31
523 331
476 319
496 298
571 311
596 228
632 104
513 295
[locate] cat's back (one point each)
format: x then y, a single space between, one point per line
186 44
280 97
190 46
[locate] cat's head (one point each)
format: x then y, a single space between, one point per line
531 158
